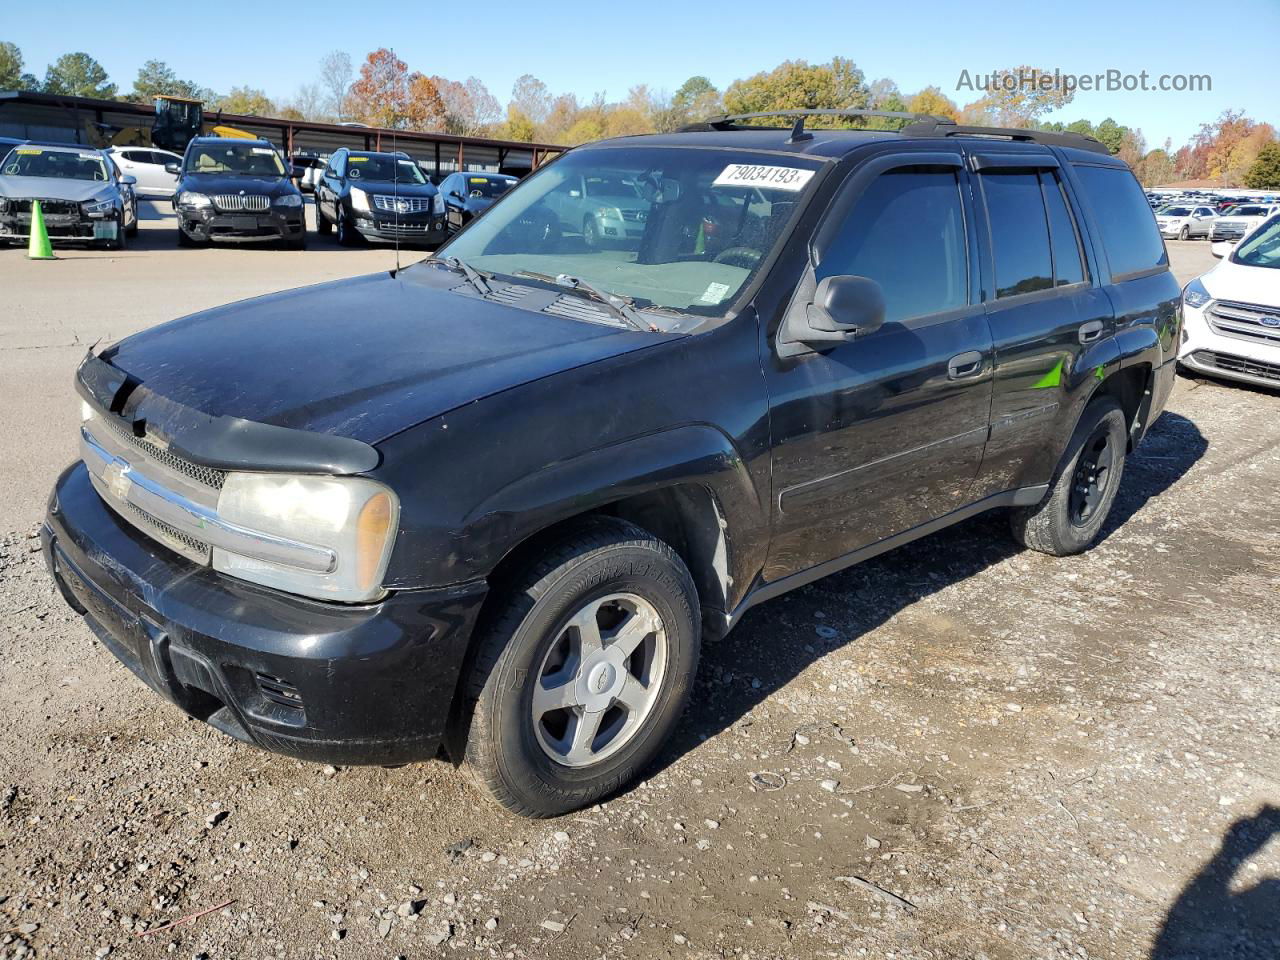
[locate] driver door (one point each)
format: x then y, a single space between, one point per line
880 433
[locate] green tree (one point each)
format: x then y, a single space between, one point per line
519 125
156 77
1015 97
11 75
248 101
1264 173
797 84
78 75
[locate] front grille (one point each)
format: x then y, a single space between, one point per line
385 201
404 229
1229 231
1247 321
171 537
1230 364
234 202
209 476
48 208
635 216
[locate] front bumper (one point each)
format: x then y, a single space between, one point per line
317 681
410 228
204 224
71 227
1232 357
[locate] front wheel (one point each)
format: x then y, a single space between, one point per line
1071 516
582 671
1184 233
323 226
347 237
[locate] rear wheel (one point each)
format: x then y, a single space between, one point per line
1070 518
582 671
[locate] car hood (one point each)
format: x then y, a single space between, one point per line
363 358
219 183
1235 281
52 188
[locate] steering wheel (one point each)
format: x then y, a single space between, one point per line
745 257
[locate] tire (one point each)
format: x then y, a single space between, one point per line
296 243
1084 488
133 228
184 240
609 573
1184 233
323 226
346 236
591 234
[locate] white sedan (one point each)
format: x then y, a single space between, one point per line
1231 315
146 165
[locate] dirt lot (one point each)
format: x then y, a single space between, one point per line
957 750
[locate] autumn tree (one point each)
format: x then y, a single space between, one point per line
797 84
380 95
1016 97
424 109
78 75
933 102
1156 168
1225 149
531 98
1264 172
469 107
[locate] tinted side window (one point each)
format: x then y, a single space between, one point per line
1129 232
1068 267
1019 233
906 232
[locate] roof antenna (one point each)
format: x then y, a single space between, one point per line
798 133
395 184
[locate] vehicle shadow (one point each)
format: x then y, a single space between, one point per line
756 660
1209 919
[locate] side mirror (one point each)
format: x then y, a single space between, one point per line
172 168
128 181
298 172
843 307
456 195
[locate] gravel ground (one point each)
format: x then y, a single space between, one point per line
959 749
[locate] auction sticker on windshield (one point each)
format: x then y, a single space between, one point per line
792 179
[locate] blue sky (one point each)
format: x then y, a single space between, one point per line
607 46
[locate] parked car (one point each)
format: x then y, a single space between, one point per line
82 196
1239 220
311 170
469 194
236 191
1183 221
378 196
7 144
1232 313
604 210
494 500
147 166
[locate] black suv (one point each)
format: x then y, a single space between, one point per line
378 196
236 191
467 195
502 513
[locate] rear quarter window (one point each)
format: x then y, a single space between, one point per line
1129 233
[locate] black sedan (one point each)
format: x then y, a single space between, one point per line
236 191
377 196
467 195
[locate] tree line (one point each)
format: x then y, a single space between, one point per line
1232 149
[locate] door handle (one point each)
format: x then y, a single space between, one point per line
964 365
1091 331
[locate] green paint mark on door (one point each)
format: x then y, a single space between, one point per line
1051 379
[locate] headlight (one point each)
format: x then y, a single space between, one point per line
1195 295
354 518
359 199
609 213
187 199
98 208
4 204
437 204
289 200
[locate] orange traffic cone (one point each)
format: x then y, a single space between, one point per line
39 248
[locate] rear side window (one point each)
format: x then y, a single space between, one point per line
1068 266
1129 233
1019 233
906 232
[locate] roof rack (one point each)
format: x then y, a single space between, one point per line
729 121
941 127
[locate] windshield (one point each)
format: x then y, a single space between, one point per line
681 228
1249 211
1262 248
374 167
55 164
1175 212
235 159
491 187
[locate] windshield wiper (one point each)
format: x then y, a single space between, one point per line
622 307
474 276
